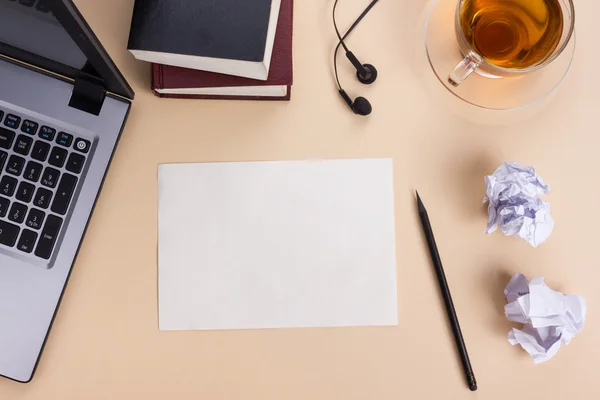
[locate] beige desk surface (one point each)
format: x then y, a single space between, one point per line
106 344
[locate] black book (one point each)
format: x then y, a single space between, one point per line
233 37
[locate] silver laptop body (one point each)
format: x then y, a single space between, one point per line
63 105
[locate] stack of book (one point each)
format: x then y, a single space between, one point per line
216 49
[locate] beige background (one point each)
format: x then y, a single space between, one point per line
106 344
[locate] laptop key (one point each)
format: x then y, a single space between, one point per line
17 212
23 145
3 158
40 150
64 139
6 138
1 115
82 145
29 127
63 195
47 133
75 163
33 171
4 203
27 241
12 121
8 233
35 218
15 165
8 184
50 177
48 236
25 192
58 156
42 198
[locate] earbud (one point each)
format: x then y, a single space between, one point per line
360 105
366 73
369 77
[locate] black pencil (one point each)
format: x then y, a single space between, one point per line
439 270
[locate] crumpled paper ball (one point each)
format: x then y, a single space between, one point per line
514 205
551 319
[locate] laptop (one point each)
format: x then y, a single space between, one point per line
63 105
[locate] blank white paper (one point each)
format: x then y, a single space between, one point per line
276 245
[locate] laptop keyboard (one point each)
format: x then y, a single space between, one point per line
40 168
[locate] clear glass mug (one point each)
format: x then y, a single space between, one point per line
474 62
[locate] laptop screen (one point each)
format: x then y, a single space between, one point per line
29 25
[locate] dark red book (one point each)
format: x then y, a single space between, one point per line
176 82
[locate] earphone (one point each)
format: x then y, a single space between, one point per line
366 73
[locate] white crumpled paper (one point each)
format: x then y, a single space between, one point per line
513 192
551 318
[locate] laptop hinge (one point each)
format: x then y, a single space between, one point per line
87 96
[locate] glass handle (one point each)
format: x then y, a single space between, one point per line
464 69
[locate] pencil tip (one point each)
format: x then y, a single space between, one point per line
471 381
420 203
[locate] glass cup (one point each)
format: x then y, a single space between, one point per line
475 62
